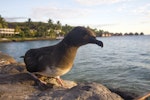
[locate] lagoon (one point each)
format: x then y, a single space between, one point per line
123 63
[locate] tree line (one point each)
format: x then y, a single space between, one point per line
37 29
48 29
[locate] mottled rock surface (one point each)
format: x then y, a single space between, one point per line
17 84
6 59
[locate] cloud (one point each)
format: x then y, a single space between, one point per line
144 9
14 19
59 13
145 22
98 2
105 25
144 13
123 8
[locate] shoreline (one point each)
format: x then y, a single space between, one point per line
17 71
42 38
23 39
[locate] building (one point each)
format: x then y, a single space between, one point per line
7 32
57 31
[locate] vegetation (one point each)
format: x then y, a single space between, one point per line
3 23
30 29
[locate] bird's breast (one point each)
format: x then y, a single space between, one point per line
53 71
61 62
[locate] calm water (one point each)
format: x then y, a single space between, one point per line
123 63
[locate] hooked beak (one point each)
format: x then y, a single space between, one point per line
95 41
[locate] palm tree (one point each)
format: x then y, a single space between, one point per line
58 25
29 23
3 23
50 24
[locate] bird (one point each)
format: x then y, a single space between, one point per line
56 60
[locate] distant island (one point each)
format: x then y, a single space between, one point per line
29 30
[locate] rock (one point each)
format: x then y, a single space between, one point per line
6 59
22 86
124 93
83 91
17 84
12 68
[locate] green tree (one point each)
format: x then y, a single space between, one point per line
99 33
50 23
58 25
17 29
22 34
41 31
26 31
3 23
50 28
29 23
67 28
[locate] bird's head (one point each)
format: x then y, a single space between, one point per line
79 36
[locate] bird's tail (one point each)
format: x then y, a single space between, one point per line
22 56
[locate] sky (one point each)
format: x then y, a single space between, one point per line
109 15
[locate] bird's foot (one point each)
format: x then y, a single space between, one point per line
42 84
59 80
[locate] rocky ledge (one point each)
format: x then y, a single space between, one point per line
17 84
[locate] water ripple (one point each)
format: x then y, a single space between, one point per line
124 62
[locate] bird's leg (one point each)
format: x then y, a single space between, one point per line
58 79
40 82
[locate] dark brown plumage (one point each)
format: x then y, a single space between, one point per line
57 60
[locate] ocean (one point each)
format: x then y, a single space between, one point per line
123 62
